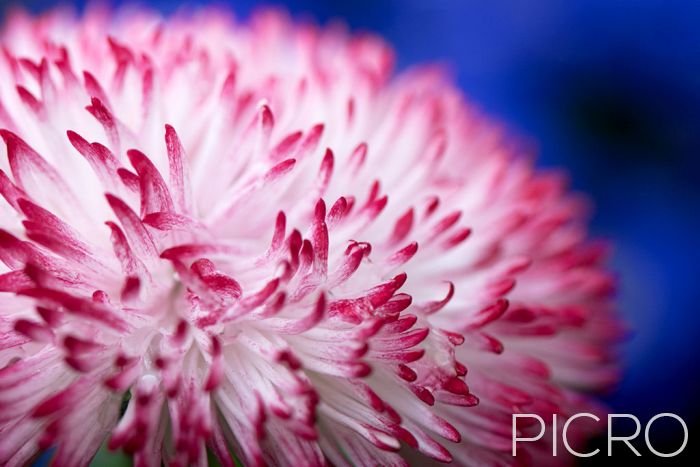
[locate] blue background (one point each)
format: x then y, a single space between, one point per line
609 90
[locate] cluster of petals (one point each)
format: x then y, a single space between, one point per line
255 241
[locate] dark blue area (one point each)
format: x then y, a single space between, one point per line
610 90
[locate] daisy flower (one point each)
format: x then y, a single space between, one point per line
255 240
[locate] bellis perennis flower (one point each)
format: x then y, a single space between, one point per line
251 240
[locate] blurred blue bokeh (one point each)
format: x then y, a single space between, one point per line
609 90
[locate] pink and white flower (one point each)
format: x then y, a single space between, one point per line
257 240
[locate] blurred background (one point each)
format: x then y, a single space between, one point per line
609 90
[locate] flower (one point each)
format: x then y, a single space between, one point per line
254 240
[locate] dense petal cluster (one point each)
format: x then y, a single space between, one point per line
254 240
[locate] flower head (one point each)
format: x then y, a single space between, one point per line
254 239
